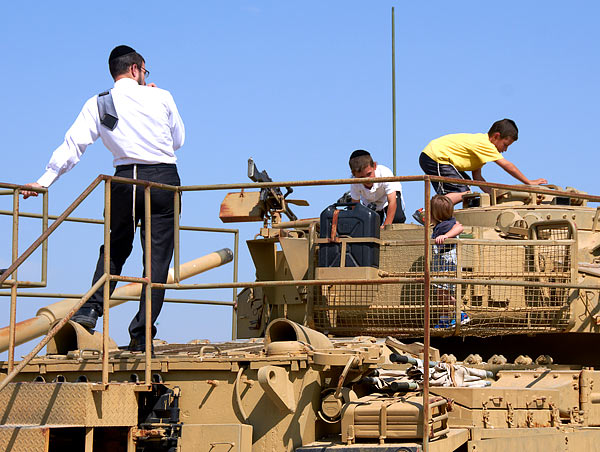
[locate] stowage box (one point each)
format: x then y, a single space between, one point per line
353 220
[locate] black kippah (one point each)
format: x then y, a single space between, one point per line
119 51
358 153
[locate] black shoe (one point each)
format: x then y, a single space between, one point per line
139 345
86 317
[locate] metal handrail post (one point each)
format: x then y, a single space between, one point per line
13 289
426 296
393 92
106 293
235 279
177 207
44 280
458 308
148 265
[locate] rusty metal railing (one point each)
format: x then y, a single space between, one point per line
106 279
426 279
14 191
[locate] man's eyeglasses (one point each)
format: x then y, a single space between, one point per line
145 71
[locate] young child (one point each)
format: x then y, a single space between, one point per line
443 259
452 155
387 196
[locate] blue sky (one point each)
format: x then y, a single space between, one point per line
297 86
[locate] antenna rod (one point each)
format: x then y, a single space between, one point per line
393 91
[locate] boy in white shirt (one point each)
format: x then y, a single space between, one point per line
386 196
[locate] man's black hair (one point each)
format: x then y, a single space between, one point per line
120 65
506 128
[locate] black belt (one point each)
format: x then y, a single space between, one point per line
147 165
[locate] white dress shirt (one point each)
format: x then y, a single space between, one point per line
149 130
378 192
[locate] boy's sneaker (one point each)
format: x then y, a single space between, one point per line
464 318
446 322
419 215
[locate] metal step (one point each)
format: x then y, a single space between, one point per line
68 404
24 439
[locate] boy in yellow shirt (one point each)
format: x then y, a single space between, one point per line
453 155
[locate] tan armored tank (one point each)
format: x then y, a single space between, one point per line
332 358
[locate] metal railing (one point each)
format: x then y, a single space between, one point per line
14 283
423 278
107 277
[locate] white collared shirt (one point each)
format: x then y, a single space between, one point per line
149 130
378 192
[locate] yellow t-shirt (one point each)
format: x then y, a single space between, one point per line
465 151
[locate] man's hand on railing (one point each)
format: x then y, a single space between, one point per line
539 181
27 193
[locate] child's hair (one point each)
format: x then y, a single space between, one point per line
442 208
359 160
506 128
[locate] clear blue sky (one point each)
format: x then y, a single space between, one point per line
298 86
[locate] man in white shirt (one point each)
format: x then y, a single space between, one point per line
385 196
142 128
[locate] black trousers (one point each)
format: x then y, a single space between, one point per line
433 168
122 231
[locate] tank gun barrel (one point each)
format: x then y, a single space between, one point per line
40 324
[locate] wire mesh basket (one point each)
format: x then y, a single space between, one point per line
478 287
